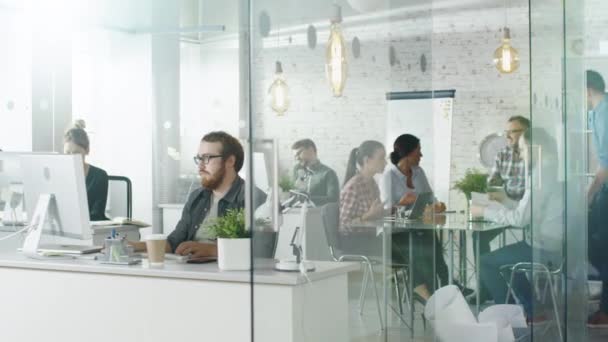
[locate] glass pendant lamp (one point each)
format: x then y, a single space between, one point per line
506 58
335 56
279 92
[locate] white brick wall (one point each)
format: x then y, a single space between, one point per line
460 49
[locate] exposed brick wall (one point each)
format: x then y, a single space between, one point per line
458 48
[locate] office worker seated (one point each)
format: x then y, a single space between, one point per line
508 173
508 169
313 177
544 233
402 181
360 206
76 140
219 159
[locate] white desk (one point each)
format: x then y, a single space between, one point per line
80 300
98 233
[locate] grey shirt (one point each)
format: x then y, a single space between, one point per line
202 234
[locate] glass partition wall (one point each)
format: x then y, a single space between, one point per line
558 163
326 92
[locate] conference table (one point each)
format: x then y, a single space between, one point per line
452 224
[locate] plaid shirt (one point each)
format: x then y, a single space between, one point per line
356 198
509 170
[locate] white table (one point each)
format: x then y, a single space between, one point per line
81 300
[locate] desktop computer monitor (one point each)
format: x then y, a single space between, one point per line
11 189
62 177
10 169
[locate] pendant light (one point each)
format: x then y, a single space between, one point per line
506 58
335 63
278 90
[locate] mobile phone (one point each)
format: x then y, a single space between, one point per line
201 260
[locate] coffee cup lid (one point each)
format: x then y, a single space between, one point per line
156 237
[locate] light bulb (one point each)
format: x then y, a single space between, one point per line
279 92
506 58
335 64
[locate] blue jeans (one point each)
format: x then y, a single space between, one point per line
495 284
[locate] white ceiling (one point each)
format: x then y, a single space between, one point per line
147 14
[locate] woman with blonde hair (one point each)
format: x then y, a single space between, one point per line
76 140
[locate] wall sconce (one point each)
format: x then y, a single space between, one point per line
279 92
335 62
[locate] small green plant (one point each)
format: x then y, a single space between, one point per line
286 183
473 181
230 226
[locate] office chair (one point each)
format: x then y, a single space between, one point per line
330 214
533 270
120 197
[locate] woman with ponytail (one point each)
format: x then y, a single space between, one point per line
360 205
360 197
76 140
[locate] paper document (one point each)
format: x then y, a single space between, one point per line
119 221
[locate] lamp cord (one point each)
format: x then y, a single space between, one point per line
506 15
15 233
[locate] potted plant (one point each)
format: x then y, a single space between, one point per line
286 183
233 241
473 181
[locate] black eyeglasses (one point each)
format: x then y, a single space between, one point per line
513 131
205 158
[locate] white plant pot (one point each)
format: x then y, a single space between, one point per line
234 254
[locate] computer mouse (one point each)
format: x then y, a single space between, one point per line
183 258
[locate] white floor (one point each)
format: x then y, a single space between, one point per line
366 327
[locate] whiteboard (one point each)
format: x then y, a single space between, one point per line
428 116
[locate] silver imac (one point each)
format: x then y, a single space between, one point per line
56 199
11 189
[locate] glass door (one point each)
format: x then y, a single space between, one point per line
557 172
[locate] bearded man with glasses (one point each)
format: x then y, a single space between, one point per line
508 170
220 157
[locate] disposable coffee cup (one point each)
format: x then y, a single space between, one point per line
155 244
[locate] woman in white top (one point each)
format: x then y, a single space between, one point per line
404 179
402 182
544 229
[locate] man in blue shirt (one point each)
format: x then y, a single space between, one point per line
597 197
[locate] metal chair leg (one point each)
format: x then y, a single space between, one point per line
406 290
555 308
363 293
510 286
544 293
398 292
373 279
535 281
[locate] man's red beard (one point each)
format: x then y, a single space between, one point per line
212 182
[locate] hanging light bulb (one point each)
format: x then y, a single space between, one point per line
506 58
279 92
335 64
